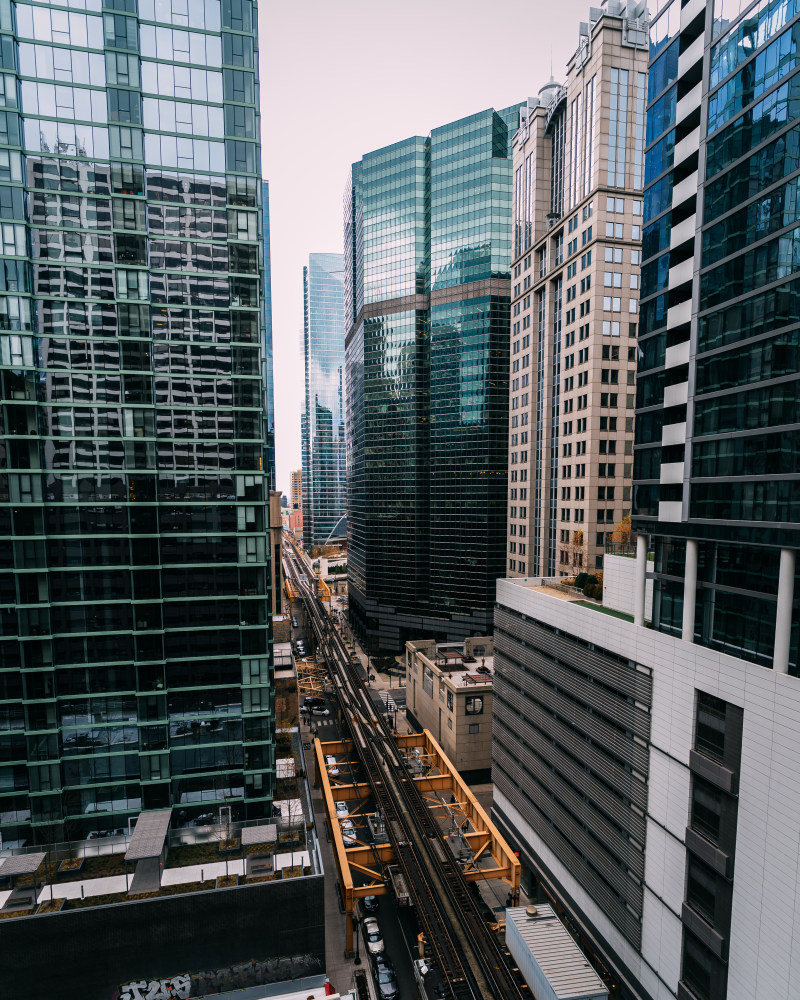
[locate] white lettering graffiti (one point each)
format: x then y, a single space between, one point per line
158 989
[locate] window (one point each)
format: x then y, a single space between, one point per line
706 809
474 705
700 968
475 727
710 726
701 887
450 700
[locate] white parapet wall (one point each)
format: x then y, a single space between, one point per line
619 580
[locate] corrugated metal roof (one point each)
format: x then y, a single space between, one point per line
566 967
149 834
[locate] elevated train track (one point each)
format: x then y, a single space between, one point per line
468 954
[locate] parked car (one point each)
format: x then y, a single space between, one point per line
320 710
370 904
387 983
294 622
341 809
349 837
311 701
330 763
373 936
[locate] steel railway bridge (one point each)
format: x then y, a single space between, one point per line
467 952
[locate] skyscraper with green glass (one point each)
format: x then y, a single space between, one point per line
427 291
322 423
135 645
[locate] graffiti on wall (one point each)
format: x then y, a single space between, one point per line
158 989
235 977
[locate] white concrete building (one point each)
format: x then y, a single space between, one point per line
687 747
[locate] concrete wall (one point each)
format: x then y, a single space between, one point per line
764 960
619 573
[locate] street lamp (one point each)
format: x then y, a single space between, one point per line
357 959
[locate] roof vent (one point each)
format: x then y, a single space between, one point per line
532 912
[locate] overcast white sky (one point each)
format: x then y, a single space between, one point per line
339 79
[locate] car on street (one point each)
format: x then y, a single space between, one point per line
373 936
294 622
387 983
371 904
341 809
330 763
320 710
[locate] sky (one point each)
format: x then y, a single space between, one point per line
339 79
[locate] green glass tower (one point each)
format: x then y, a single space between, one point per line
135 647
427 292
323 419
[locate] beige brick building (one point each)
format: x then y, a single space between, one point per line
449 692
578 177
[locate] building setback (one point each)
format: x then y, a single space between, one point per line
427 257
578 177
135 655
322 423
651 776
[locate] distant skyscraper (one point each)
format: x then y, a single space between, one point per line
428 249
296 490
578 176
135 650
323 434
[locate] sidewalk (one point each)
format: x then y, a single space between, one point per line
338 968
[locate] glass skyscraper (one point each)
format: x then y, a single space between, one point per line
135 646
716 424
427 291
268 356
717 495
322 424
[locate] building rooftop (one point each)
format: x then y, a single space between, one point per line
460 664
566 968
463 669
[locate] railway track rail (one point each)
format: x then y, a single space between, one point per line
469 957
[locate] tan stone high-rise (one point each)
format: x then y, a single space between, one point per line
578 178
296 492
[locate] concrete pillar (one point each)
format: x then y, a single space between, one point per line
689 590
641 580
783 615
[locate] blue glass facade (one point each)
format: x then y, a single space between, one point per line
135 647
322 426
717 435
428 249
